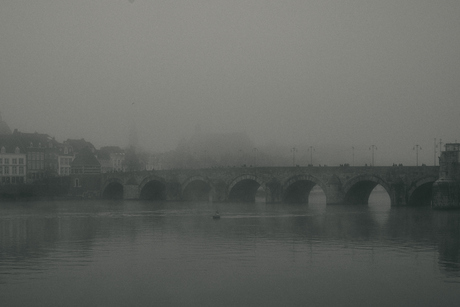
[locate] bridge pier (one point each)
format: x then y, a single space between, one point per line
131 191
446 190
334 191
273 192
446 194
398 195
334 197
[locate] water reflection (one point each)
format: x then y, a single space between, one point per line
262 242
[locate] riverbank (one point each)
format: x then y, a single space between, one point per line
50 188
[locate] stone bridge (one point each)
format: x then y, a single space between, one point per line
405 185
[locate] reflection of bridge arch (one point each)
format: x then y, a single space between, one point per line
112 189
297 188
358 189
420 192
152 188
196 188
243 188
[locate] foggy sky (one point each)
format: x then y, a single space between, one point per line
337 73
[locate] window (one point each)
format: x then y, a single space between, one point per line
21 161
1 161
16 150
77 182
7 161
14 170
21 170
1 170
15 161
7 170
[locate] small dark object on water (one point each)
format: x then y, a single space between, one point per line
216 216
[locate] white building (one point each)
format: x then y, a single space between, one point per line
65 158
111 159
12 165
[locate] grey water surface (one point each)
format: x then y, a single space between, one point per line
135 253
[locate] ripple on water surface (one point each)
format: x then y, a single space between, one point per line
255 254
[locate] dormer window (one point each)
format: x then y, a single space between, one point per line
66 150
16 150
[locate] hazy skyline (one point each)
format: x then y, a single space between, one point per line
323 73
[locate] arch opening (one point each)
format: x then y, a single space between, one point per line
359 193
113 190
422 195
379 198
260 195
153 190
299 191
197 190
244 191
317 196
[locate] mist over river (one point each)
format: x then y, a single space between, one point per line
136 253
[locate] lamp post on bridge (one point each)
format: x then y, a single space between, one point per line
241 151
416 148
311 149
353 155
205 158
373 147
293 150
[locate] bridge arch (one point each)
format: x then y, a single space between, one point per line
196 188
152 188
420 192
112 189
358 189
296 189
244 188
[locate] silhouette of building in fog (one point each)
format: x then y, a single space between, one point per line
4 128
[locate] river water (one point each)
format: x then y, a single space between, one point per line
134 253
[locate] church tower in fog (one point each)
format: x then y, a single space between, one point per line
133 139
